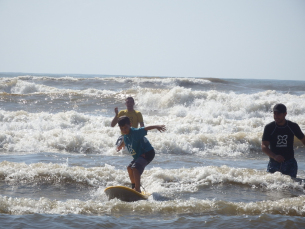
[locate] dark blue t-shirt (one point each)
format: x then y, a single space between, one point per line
136 143
281 138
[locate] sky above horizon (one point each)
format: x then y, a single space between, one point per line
249 39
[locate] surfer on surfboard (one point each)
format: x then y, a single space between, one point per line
139 148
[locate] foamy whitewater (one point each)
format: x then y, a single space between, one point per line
58 155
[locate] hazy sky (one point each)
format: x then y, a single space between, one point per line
223 39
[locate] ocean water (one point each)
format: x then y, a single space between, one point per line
57 153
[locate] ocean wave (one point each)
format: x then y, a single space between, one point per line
19 206
122 79
198 122
167 182
75 132
43 78
176 100
66 131
215 100
21 87
49 173
195 179
170 181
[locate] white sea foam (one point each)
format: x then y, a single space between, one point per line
21 173
194 179
156 179
170 82
208 163
21 87
16 206
67 131
198 122
160 181
79 133
219 103
173 81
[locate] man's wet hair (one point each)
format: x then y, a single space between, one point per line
123 121
129 98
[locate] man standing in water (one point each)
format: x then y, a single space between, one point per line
277 142
135 117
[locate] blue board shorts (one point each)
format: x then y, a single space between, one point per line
289 167
141 162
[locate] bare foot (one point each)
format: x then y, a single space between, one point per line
137 190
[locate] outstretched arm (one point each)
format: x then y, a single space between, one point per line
161 128
116 118
266 150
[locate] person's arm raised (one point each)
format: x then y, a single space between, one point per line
116 118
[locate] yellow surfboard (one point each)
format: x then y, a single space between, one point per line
125 194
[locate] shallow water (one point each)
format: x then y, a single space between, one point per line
57 152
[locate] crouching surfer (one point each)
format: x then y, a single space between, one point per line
139 148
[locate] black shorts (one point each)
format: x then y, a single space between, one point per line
141 162
289 167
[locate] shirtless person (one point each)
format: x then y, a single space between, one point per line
277 142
